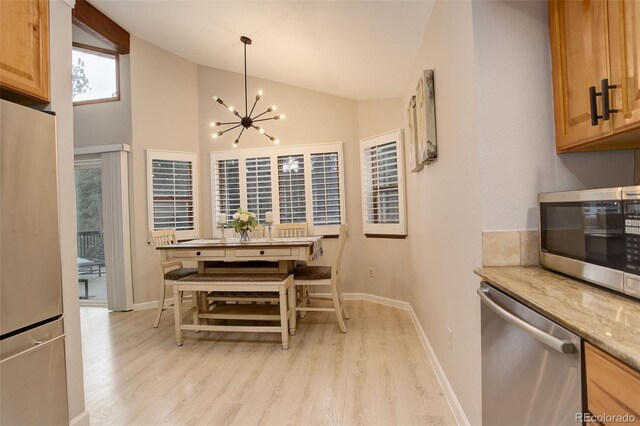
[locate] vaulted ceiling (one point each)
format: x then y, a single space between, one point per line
355 49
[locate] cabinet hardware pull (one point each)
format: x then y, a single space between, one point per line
593 104
606 100
261 251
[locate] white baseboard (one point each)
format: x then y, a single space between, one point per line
154 304
454 404
81 420
456 408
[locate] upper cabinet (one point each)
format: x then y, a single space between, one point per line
595 49
24 48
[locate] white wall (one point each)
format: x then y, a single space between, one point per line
104 123
515 119
60 49
443 204
164 112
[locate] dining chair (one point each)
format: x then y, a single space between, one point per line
172 270
257 232
306 276
292 229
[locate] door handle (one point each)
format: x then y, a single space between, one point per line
606 100
562 346
593 105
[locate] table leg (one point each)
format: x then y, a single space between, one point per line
195 301
177 314
284 323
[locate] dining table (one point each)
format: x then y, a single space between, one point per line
244 259
229 255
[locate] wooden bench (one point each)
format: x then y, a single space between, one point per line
238 288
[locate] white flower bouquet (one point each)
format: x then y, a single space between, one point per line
244 220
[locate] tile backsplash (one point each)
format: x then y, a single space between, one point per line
510 248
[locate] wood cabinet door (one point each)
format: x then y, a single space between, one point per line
613 388
24 47
579 48
624 27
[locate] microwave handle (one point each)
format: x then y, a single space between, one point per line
562 346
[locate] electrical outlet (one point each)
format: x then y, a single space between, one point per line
450 335
371 272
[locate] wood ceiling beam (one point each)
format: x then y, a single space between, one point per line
99 25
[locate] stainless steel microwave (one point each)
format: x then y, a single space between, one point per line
593 235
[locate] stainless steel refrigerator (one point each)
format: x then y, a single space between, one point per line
33 387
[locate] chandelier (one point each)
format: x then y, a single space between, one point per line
248 120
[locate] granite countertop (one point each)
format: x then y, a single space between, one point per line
606 319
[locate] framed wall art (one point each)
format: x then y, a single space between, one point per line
426 142
412 137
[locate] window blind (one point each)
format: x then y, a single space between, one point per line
173 195
325 188
291 189
381 184
259 198
227 187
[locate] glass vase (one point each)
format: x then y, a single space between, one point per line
244 235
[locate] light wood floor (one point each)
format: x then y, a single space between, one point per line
376 374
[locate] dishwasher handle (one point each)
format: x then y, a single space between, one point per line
562 346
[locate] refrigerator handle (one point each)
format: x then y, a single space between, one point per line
36 345
562 346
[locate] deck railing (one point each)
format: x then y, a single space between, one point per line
90 244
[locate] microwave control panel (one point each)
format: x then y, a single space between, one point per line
632 235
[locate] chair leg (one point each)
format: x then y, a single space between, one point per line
304 299
343 306
338 308
160 305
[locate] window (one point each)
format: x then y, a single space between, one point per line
293 205
172 192
298 184
383 198
227 187
325 187
259 198
95 75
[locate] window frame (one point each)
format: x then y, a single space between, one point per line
385 230
102 52
154 154
273 153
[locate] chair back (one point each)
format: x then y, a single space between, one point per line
337 256
161 238
257 232
292 229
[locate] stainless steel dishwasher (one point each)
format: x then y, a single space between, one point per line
531 366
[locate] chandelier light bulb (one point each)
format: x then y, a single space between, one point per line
277 141
274 107
214 123
282 116
232 109
215 135
235 143
215 98
260 129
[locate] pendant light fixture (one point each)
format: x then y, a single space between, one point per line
246 121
